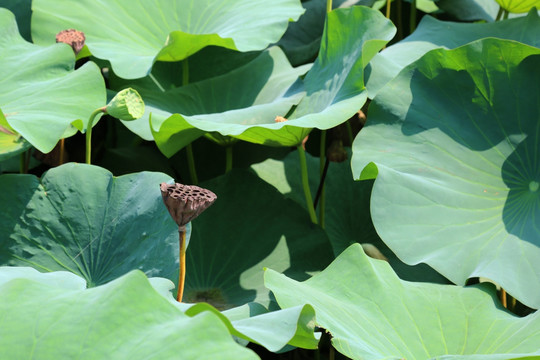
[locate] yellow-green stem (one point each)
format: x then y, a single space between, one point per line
305 184
388 2
503 298
182 269
89 133
189 148
191 164
322 160
499 13
412 17
328 6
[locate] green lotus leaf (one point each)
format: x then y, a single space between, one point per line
372 314
334 89
427 6
302 39
132 36
432 33
519 6
51 317
470 10
55 104
11 145
81 219
347 216
453 141
225 104
252 322
249 227
335 84
22 9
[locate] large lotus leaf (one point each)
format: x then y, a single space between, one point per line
249 227
124 319
41 96
252 322
227 104
372 314
347 214
454 139
302 39
335 84
334 87
519 6
432 33
133 35
82 219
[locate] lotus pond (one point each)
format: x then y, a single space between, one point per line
285 179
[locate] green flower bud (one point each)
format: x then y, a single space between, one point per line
126 105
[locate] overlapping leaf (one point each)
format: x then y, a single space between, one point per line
52 316
251 226
252 322
82 219
334 91
432 33
133 35
372 314
227 104
519 6
347 216
302 39
453 142
41 97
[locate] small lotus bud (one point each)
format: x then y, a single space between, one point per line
186 202
279 119
126 105
73 38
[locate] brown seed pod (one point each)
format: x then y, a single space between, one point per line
186 202
73 38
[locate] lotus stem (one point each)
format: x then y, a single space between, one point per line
505 15
412 17
228 158
328 6
182 269
89 133
499 13
388 4
349 131
305 183
25 161
322 175
189 148
191 164
502 295
161 88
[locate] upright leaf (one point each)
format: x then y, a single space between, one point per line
372 314
453 141
133 35
41 96
81 219
432 33
44 318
